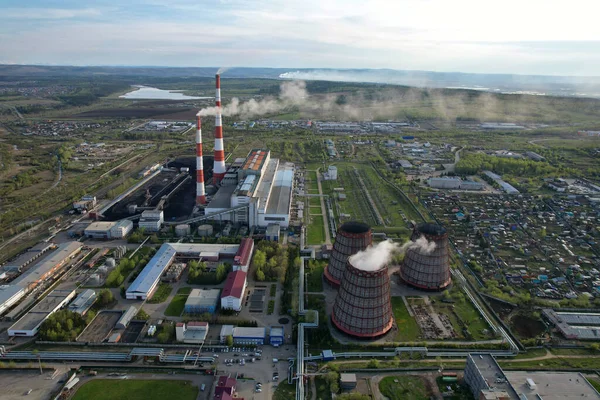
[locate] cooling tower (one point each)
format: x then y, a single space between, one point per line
362 307
427 270
351 238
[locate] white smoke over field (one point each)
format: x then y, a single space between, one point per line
378 256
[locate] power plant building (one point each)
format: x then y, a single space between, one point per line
363 307
151 220
423 268
145 284
202 301
351 238
30 323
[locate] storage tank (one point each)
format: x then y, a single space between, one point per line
363 306
351 238
182 230
110 262
205 230
424 266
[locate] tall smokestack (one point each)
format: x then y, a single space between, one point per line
200 193
219 165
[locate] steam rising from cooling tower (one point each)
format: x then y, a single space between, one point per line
351 238
424 266
200 193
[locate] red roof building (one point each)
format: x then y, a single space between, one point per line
243 255
225 388
231 296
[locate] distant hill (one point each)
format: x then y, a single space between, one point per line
497 83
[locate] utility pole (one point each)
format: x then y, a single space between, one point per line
40 363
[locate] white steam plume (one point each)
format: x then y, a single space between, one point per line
378 256
222 70
291 94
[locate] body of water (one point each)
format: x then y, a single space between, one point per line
150 93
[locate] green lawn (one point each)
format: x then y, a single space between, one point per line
323 392
314 278
314 201
406 388
316 230
595 383
408 330
114 389
163 291
284 391
176 306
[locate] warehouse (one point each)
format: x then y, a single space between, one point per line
108 230
147 281
243 255
202 301
10 295
454 183
28 257
30 323
233 292
48 266
193 332
126 318
252 336
83 302
276 336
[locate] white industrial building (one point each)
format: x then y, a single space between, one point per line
202 301
447 182
41 271
29 324
252 336
331 174
83 302
109 230
193 332
126 317
147 281
233 291
151 220
256 191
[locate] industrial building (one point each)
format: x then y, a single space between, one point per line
251 336
423 267
147 281
575 325
202 301
241 260
226 330
30 323
258 191
276 336
23 260
151 220
193 332
487 380
347 381
83 302
126 318
507 187
272 233
108 230
41 271
363 307
351 238
233 291
454 183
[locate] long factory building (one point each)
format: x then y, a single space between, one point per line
147 281
259 182
45 269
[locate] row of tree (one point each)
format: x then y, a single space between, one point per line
64 326
270 261
199 274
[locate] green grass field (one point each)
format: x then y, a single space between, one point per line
176 306
467 312
316 230
595 383
314 279
323 392
314 202
403 388
163 291
284 391
101 389
408 330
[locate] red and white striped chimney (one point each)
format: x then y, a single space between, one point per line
200 193
219 165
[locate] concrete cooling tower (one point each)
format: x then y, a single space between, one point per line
424 268
351 238
363 307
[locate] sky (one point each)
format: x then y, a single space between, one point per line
537 37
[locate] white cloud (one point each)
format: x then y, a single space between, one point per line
47 13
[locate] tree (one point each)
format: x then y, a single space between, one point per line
373 364
142 315
229 340
260 275
260 259
105 297
595 347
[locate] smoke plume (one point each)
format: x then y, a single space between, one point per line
378 256
222 70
